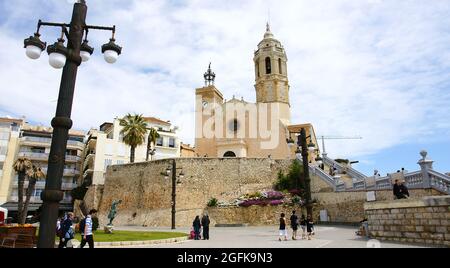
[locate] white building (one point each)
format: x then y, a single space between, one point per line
105 147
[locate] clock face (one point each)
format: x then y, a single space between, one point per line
205 104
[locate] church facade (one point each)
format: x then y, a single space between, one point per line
236 128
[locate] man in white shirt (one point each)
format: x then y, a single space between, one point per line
87 233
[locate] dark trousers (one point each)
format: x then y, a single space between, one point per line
89 240
197 233
62 244
206 232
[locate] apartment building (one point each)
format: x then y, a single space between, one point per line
105 147
34 143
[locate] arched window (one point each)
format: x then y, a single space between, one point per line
268 66
229 154
257 68
279 66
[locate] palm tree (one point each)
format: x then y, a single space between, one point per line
134 130
153 135
22 166
35 174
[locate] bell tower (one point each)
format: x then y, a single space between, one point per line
271 78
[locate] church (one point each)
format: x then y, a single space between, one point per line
236 128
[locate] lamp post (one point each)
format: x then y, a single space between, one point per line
173 170
302 151
70 58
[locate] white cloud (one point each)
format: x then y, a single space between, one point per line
378 69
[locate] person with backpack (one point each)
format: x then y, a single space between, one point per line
66 230
87 235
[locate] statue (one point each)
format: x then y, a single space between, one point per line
113 211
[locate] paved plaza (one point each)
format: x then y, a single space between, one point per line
267 237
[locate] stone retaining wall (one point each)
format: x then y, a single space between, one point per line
425 220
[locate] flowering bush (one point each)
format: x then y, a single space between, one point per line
276 202
274 195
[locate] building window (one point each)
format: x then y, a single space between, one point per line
40 150
4 136
257 68
120 162
279 66
172 142
234 125
268 66
229 154
37 192
159 141
3 150
108 162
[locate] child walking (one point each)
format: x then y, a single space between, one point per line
309 226
303 226
283 231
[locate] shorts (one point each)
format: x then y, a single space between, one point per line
283 232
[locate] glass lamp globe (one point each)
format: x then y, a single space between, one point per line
85 56
110 56
57 60
33 52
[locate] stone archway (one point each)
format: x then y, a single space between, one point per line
229 154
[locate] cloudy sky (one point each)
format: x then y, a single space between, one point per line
379 69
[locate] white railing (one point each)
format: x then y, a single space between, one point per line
68 186
414 179
340 168
439 181
49 141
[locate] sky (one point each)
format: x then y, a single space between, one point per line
378 69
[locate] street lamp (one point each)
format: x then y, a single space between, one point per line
176 179
69 57
302 153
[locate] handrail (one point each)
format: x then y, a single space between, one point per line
350 171
323 175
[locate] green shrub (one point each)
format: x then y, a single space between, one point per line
213 202
291 180
342 161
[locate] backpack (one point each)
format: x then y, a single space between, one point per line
82 225
59 231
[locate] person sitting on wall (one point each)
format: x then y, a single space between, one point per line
400 190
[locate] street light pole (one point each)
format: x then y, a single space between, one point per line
70 58
61 124
302 143
174 191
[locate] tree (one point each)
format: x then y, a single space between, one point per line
23 167
35 174
153 135
134 130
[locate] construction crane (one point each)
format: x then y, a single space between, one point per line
336 138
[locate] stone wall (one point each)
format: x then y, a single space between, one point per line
348 207
425 220
146 194
252 216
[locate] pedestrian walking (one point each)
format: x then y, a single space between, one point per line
205 224
294 225
303 226
197 225
309 226
66 230
87 235
283 231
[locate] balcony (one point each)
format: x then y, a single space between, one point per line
39 184
68 186
67 172
34 156
47 141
